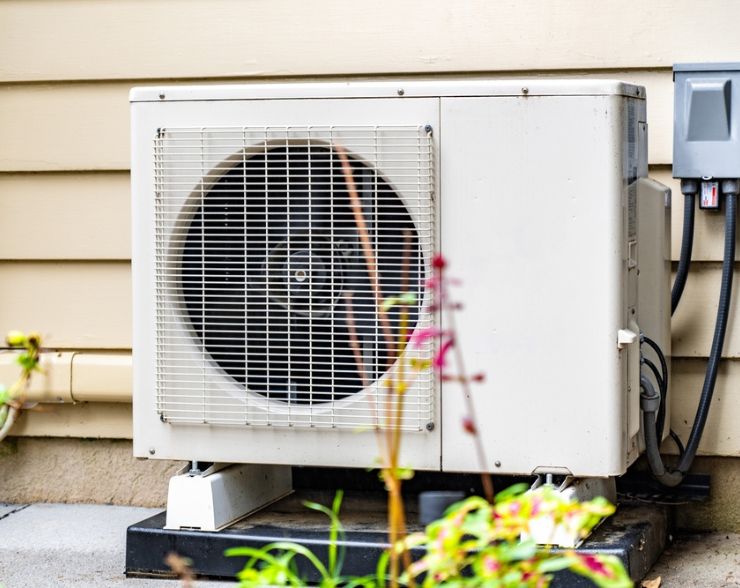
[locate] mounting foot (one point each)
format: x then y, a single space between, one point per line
543 529
222 494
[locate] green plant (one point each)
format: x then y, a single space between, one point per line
477 543
275 564
13 399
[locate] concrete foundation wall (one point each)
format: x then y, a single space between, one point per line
101 471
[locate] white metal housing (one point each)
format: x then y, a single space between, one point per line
529 189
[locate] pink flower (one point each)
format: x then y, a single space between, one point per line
432 283
421 336
595 565
439 262
490 564
440 359
469 426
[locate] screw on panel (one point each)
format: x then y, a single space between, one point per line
428 129
430 426
401 91
161 95
497 463
525 90
152 451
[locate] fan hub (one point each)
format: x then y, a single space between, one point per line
304 272
304 276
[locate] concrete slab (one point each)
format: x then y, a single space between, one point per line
70 545
7 509
83 546
708 560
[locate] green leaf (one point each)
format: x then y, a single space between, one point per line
403 473
517 551
253 577
381 569
511 492
554 564
408 298
27 361
336 530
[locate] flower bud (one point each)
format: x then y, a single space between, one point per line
15 338
469 426
439 262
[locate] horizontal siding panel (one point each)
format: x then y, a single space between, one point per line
693 322
96 420
43 40
65 216
75 305
722 434
85 126
64 127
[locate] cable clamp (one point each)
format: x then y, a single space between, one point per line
649 403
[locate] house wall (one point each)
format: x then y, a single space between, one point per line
65 71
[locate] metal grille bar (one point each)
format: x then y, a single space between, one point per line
257 259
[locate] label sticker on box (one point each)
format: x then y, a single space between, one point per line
709 195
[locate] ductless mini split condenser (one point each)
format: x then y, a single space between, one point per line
249 273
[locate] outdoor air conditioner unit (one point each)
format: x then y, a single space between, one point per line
245 250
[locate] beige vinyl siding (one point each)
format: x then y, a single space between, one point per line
59 216
74 304
722 434
85 126
43 40
67 67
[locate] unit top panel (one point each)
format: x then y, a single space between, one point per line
390 88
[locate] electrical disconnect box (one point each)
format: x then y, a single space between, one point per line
706 137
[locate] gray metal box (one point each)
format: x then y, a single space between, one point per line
706 127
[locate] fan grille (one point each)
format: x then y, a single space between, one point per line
259 260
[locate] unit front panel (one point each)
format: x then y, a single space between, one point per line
532 223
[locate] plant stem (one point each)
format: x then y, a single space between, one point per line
486 479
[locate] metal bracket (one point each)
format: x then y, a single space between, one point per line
212 499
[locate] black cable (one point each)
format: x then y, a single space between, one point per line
664 389
723 311
659 353
658 377
689 188
677 441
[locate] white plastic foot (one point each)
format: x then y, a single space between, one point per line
544 530
223 494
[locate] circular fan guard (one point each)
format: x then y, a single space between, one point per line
269 258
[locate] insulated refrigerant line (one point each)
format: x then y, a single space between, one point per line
650 399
